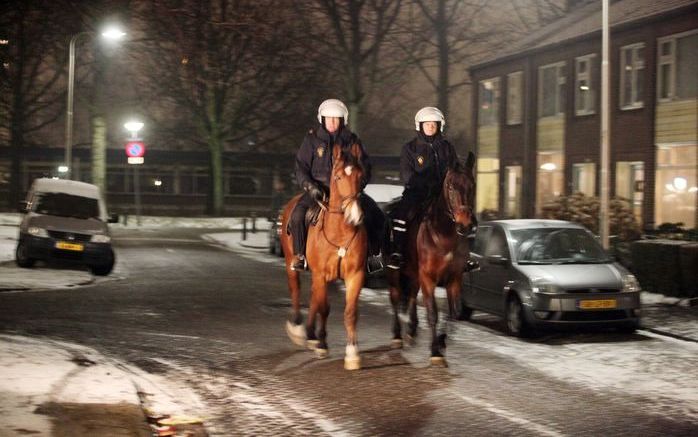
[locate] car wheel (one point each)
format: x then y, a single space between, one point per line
279 249
629 329
516 319
22 256
103 269
272 247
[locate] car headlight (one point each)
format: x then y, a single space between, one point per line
630 283
100 238
543 285
37 231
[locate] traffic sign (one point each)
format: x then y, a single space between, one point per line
135 149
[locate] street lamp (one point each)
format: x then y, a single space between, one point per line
112 33
134 126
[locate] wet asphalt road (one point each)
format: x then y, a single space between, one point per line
213 320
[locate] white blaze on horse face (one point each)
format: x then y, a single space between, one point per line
348 170
448 257
353 214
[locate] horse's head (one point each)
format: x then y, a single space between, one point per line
345 183
459 194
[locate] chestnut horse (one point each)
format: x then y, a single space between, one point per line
336 248
437 253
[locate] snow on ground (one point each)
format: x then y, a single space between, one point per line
36 371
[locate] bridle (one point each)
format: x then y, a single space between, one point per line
452 200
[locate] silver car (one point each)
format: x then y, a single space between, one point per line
547 273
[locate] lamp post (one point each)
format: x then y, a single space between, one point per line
111 33
134 127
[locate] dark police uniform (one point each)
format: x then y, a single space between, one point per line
423 166
314 167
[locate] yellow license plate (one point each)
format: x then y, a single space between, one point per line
596 304
70 246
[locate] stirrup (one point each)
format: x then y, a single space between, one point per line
395 261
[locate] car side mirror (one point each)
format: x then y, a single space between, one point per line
23 206
497 259
113 218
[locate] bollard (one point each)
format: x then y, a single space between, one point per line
254 222
244 228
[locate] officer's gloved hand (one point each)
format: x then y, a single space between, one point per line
314 190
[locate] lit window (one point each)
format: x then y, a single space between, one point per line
584 178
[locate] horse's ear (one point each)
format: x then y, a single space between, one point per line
356 150
336 152
470 161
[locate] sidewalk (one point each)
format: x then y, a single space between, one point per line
56 388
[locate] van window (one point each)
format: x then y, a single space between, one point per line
65 205
497 244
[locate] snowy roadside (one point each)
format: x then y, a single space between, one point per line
40 375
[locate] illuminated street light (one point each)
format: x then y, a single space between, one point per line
134 127
112 34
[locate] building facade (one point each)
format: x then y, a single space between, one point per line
537 119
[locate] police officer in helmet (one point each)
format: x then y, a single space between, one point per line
423 165
313 170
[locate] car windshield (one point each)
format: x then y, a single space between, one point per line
557 246
66 205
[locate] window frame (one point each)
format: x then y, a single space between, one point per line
636 88
669 59
511 120
496 99
561 80
590 108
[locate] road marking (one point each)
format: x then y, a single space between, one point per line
512 417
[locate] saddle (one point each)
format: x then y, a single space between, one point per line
312 215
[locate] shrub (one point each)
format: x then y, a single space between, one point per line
585 211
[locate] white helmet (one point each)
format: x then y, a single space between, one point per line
429 113
333 108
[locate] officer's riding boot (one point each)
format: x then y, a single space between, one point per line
396 258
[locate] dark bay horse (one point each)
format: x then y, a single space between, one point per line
336 248
437 252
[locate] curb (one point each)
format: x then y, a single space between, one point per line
669 334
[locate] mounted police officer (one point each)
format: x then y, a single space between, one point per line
313 170
423 165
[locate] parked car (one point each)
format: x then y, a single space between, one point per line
548 273
65 220
383 194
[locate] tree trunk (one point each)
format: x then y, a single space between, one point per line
99 152
443 84
215 145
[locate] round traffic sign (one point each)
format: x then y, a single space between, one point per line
135 149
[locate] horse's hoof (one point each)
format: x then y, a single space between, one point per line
321 353
312 344
352 363
296 333
352 359
396 343
438 361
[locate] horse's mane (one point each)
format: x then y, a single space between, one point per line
348 158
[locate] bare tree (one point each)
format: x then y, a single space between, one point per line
219 70
349 39
32 92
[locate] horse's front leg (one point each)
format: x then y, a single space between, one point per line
353 283
319 305
428 286
453 292
294 326
395 293
412 291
